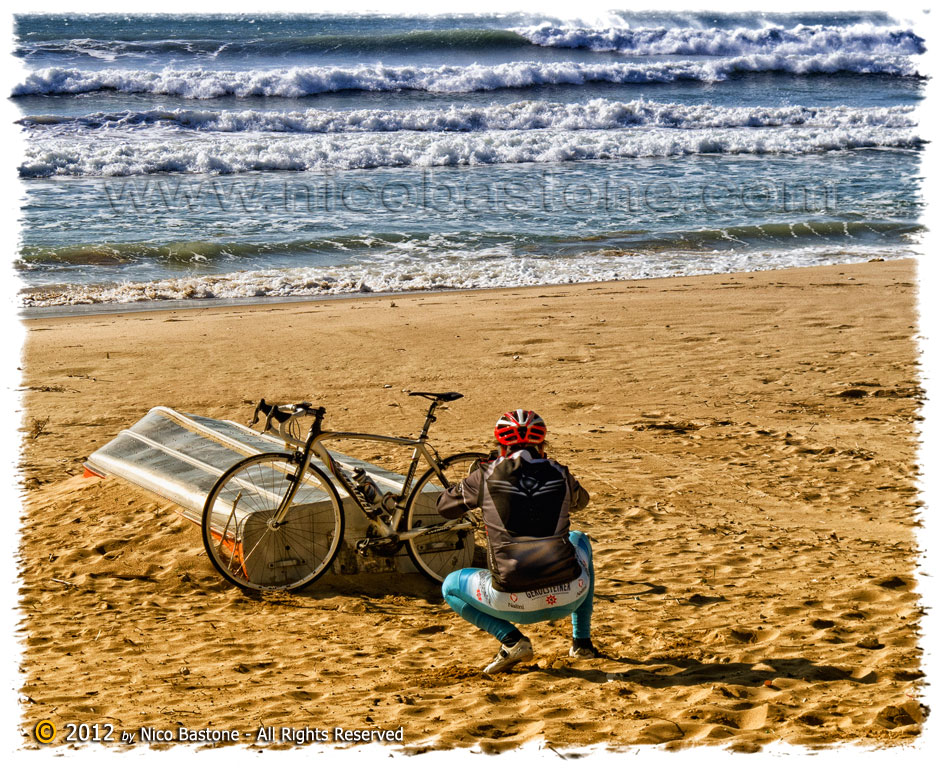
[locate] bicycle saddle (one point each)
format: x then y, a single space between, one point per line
444 397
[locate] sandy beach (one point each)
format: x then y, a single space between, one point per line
749 442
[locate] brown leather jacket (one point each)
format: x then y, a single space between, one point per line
525 501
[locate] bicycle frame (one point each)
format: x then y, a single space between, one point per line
292 519
313 446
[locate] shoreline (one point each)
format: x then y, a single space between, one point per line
82 310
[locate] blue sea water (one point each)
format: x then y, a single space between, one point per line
207 157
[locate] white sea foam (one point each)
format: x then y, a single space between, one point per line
453 270
801 40
306 81
81 155
597 114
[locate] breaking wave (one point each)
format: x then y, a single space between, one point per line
76 155
296 82
451 271
427 248
801 40
596 114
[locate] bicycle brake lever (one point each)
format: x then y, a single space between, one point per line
261 407
267 421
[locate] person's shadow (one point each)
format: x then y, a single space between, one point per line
694 672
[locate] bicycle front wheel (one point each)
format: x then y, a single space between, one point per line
246 542
436 555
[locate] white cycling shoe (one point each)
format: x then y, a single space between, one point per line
509 657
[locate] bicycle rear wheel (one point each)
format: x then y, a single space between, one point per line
436 555
253 550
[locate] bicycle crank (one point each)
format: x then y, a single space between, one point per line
380 546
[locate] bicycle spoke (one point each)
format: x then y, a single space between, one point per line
260 549
437 554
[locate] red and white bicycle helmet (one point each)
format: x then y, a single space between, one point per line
520 427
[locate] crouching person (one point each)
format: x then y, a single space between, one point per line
539 570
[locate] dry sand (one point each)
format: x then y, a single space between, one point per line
749 441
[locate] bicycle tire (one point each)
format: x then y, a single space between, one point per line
242 544
438 555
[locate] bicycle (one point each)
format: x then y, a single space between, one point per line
275 521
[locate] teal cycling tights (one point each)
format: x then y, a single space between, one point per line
462 592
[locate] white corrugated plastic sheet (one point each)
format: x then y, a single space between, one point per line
179 456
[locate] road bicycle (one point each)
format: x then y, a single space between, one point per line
275 521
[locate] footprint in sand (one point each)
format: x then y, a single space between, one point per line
895 582
892 717
822 624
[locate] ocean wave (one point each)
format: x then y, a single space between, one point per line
418 248
79 155
207 251
213 48
682 35
802 40
597 114
469 270
298 82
